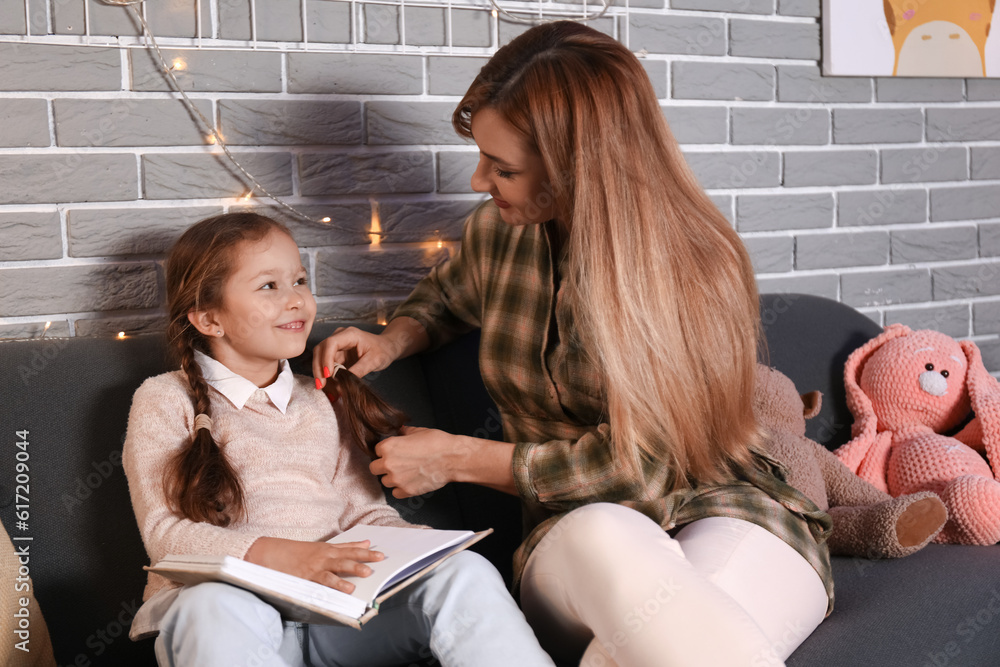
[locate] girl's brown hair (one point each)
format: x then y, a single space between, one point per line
199 482
664 291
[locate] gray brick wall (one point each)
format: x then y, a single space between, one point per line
883 193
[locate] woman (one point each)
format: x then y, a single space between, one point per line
619 338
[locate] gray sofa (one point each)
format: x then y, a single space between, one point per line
938 607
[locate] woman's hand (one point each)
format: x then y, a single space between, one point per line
316 561
363 353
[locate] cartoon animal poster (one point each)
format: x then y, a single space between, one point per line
910 38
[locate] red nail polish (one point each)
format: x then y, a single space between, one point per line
319 383
326 372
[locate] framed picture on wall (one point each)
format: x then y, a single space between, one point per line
910 38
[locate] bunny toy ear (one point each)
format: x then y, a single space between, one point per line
984 395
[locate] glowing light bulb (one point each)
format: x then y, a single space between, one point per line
121 335
247 196
494 12
375 233
210 139
178 64
326 219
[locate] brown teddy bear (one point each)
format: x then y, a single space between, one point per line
867 522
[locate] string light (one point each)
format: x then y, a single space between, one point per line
375 235
535 21
178 64
121 335
45 329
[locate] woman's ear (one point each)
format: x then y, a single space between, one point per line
205 322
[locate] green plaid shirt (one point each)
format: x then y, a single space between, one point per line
502 280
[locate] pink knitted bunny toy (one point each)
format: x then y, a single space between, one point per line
905 388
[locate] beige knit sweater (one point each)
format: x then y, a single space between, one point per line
300 482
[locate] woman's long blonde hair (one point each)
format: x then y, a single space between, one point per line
663 289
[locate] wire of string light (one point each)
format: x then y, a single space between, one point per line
607 4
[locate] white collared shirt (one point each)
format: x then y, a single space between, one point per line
238 389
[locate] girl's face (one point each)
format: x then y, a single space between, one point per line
510 171
267 309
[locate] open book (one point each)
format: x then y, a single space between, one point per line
410 553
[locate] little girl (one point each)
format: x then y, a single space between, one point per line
235 455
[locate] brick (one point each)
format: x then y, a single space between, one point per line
825 285
903 89
209 71
985 162
982 90
381 24
203 175
366 173
129 231
757 213
281 123
965 282
376 270
990 350
452 75
689 35
411 123
12 18
76 177
174 18
656 70
76 289
785 126
455 170
735 6
34 330
67 17
25 236
736 169
425 221
969 203
970 124
471 27
354 310
832 250
107 19
725 205
698 125
235 21
722 81
856 167
934 245
129 122
354 73
773 39
866 126
808 8
883 288
30 67
891 206
508 29
950 320
425 26
931 163
804 83
107 327
770 254
24 123
350 223
278 20
986 317
989 240
329 22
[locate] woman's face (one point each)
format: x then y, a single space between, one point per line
511 172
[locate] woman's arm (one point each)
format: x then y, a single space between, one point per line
401 338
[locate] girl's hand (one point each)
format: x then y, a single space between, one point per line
316 561
419 461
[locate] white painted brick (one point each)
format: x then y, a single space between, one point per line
735 6
381 24
349 224
989 240
411 123
883 288
508 29
208 70
864 126
773 39
174 18
455 170
808 8
983 90
854 167
76 177
969 281
736 169
68 17
934 245
722 81
985 162
725 205
200 175
366 173
697 125
425 26
69 289
107 19
838 249
59 329
949 320
279 20
12 18
355 73
785 126
329 21
931 163
128 122
235 19
970 203
691 35
452 75
281 123
378 270
986 317
757 213
62 68
770 254
891 206
111 326
903 89
129 231
804 83
969 124
425 221
656 70
990 350
819 285
26 236
24 122
471 27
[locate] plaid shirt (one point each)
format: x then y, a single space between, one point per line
552 405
